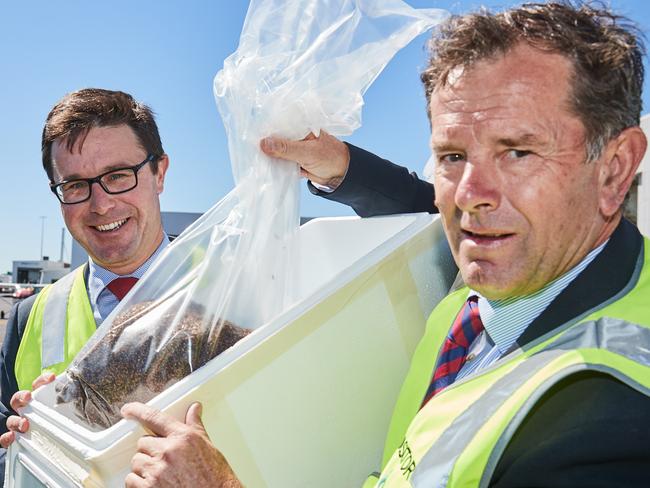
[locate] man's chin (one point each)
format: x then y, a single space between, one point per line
494 289
109 245
112 263
110 257
480 280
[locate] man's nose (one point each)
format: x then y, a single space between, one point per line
478 188
100 201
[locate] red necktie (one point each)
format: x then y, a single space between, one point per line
466 327
121 286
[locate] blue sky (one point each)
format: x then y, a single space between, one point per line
166 54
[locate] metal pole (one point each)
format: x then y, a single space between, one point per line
42 217
62 242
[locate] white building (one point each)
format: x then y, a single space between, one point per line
39 271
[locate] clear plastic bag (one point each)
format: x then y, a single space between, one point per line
301 66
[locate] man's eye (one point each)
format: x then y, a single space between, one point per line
518 153
452 158
74 185
117 176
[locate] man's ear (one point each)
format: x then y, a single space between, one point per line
622 157
163 164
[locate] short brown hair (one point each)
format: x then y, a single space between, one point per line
606 51
80 111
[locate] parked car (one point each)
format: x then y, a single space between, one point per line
7 289
26 290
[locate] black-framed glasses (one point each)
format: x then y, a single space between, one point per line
119 180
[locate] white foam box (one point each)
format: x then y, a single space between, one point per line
304 401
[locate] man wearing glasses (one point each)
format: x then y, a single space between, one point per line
106 165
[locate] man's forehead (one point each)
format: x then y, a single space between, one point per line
520 68
490 96
97 134
100 149
480 99
499 121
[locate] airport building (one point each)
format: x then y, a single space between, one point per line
39 271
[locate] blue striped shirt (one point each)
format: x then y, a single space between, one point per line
102 300
505 320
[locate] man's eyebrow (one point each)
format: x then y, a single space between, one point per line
442 148
110 167
523 139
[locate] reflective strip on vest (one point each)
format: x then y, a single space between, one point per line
42 334
54 320
614 335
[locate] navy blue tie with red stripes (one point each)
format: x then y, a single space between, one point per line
466 327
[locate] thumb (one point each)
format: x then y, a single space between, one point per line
43 379
193 416
286 149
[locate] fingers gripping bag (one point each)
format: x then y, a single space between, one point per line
301 66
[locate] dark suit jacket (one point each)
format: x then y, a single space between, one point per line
16 323
8 386
374 186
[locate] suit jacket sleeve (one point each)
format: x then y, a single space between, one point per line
588 430
16 323
375 186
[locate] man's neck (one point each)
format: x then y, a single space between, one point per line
608 229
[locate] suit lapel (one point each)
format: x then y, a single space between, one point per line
611 272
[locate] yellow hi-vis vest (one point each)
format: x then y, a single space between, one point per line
59 324
457 439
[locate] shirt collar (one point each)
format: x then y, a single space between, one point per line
505 320
99 277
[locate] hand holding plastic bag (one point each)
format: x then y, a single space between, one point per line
301 66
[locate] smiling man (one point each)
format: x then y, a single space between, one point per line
106 165
537 373
120 226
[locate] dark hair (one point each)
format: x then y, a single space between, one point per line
80 111
605 49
